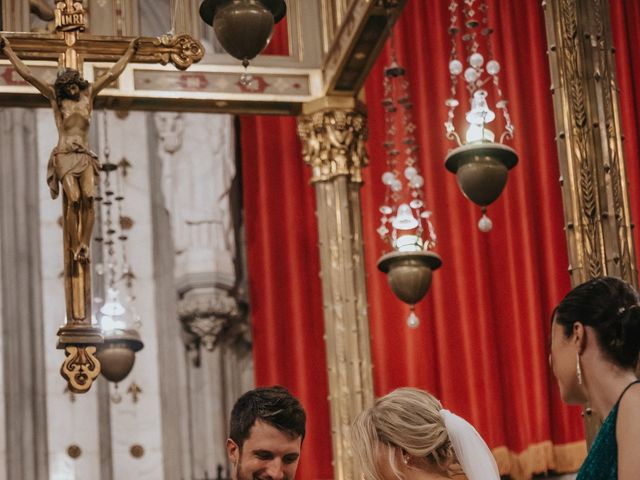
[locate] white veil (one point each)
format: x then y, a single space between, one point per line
472 452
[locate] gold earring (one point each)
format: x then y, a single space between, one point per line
405 459
578 369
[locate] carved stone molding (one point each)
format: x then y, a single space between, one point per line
333 144
593 174
210 317
170 128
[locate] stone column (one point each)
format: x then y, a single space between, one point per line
333 133
589 138
187 17
15 15
20 281
197 157
173 397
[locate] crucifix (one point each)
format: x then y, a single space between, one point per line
72 165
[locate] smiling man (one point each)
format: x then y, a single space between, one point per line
266 432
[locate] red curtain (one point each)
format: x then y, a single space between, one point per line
481 344
625 19
284 288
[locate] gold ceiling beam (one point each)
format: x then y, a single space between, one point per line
356 47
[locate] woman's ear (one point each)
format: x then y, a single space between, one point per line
579 337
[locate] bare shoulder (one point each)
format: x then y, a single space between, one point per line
629 411
628 434
631 397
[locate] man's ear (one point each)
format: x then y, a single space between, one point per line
233 451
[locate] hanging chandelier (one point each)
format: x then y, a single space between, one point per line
118 318
480 163
405 223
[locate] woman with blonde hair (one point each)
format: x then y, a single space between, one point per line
407 435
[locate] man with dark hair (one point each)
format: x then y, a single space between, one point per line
265 435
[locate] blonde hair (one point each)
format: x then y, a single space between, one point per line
408 420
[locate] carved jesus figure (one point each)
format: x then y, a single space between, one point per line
72 164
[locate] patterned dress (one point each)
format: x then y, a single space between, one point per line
602 461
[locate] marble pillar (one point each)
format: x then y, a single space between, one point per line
333 133
137 424
3 436
197 160
25 427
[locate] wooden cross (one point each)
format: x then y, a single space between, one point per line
69 44
72 166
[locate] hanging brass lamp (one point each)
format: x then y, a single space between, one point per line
405 223
409 273
118 321
480 163
243 27
481 170
118 353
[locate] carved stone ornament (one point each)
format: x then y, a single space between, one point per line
333 144
210 318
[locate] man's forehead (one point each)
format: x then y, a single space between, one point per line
264 436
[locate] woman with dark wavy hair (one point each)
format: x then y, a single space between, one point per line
595 345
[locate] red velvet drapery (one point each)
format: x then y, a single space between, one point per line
284 288
481 346
625 19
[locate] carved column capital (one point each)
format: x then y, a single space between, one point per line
210 317
333 143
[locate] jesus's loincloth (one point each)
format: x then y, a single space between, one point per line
73 160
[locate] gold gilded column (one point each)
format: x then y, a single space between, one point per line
592 167
333 133
589 138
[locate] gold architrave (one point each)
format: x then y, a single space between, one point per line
333 134
589 138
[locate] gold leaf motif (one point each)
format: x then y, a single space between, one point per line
333 144
80 367
183 50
